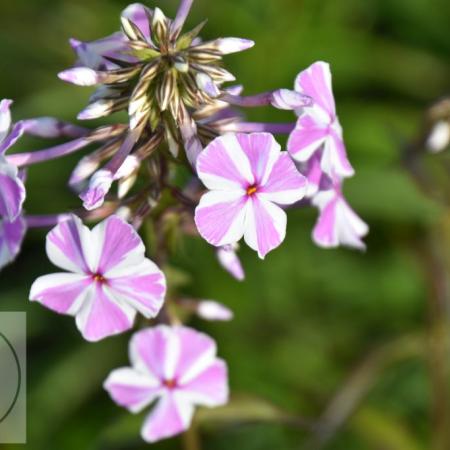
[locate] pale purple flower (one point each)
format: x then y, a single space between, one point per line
248 177
318 126
11 237
109 277
12 190
178 367
95 54
230 261
338 224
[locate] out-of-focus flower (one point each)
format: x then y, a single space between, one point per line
338 224
318 127
248 176
109 281
230 261
176 365
214 311
439 138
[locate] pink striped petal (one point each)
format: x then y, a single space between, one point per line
143 286
101 315
262 151
155 351
11 237
334 158
66 245
220 217
63 293
285 184
12 192
315 81
132 389
224 165
307 138
197 353
121 249
170 417
265 227
338 224
209 387
314 174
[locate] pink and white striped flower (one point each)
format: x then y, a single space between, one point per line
318 126
176 365
109 281
338 224
248 177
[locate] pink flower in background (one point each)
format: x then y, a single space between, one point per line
176 365
11 237
338 224
318 126
248 177
109 281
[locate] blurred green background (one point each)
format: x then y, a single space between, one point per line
356 340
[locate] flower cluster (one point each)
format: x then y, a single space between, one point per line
181 118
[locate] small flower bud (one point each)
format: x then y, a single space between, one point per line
439 138
99 186
81 76
206 84
289 100
214 311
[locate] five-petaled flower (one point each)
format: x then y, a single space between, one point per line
176 365
110 277
248 177
338 224
318 128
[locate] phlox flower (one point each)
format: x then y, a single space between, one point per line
12 190
248 177
318 127
338 224
109 278
178 367
95 54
